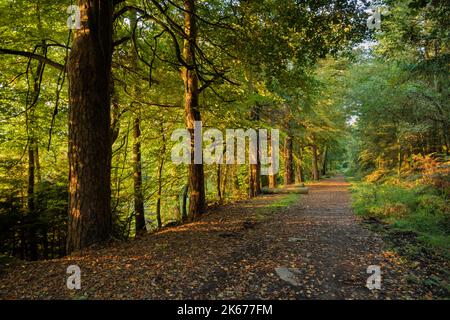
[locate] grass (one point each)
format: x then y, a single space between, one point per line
420 210
268 211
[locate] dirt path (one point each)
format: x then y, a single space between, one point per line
231 254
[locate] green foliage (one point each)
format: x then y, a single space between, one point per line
48 222
369 112
417 209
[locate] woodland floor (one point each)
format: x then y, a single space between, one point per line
232 254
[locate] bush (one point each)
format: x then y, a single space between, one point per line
383 201
420 209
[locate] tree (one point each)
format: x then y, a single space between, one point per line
89 71
211 45
191 99
137 163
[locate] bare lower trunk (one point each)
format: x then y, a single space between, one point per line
235 179
254 180
325 160
38 164
137 178
197 203
224 182
254 169
299 174
158 200
272 181
137 163
32 230
272 177
89 72
315 163
288 161
33 159
160 177
184 195
219 183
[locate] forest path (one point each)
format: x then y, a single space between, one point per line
231 254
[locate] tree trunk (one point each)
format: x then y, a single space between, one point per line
272 177
219 183
160 172
89 73
288 161
235 182
184 195
272 181
299 175
225 181
137 163
197 203
315 163
137 178
324 163
32 230
37 164
254 169
158 200
32 159
254 180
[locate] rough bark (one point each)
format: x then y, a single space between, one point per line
254 169
184 195
255 180
272 177
160 172
137 177
37 164
288 161
219 183
235 179
299 174
197 203
324 162
89 72
32 236
137 163
315 163
272 181
225 181
33 159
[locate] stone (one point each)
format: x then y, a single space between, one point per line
289 275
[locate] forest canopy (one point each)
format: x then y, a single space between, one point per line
91 94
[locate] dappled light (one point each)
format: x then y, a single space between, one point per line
224 150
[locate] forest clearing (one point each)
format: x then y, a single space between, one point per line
224 149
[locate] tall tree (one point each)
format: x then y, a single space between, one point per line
289 160
315 160
197 203
89 70
137 163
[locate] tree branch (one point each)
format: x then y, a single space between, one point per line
33 56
